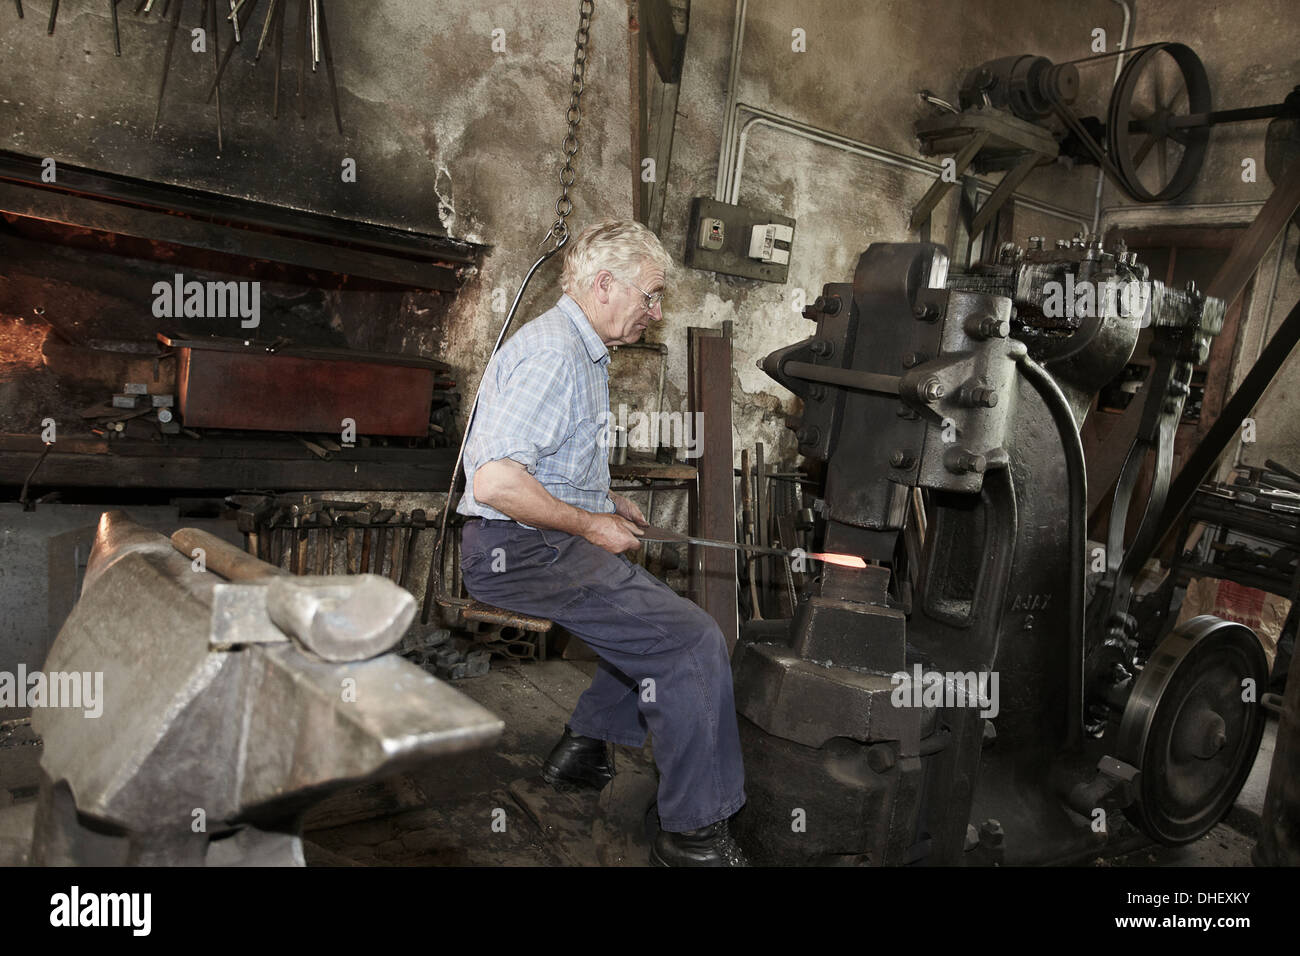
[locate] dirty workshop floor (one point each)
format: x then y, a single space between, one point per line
491 808
444 815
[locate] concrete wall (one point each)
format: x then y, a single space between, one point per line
1251 52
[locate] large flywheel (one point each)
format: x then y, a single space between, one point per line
1192 727
1157 129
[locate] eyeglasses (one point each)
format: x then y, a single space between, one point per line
651 299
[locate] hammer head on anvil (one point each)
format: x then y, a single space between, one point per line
348 617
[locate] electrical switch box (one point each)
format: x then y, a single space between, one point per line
713 233
739 241
770 243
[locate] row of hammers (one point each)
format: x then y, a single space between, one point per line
309 535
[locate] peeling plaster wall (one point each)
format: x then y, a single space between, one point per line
1251 52
495 123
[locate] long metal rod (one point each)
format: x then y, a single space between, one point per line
266 27
738 546
167 62
225 58
1216 117
328 54
279 58
302 56
843 377
314 12
215 40
117 36
652 533
672 537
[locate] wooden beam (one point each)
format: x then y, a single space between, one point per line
86 213
238 211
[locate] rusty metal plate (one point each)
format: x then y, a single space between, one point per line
270 392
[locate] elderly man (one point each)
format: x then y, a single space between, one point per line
546 536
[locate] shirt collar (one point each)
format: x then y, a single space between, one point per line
596 349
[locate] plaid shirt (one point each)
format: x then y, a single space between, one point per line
544 403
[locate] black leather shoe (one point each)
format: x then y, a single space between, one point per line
708 846
578 763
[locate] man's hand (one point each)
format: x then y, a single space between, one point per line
613 532
624 507
508 487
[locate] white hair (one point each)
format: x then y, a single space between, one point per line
619 246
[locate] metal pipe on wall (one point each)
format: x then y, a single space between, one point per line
857 148
731 159
722 186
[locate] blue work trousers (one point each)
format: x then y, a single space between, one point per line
663 661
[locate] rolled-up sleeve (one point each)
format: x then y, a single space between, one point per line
528 413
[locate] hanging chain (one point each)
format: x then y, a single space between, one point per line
564 205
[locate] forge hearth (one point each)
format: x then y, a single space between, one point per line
316 325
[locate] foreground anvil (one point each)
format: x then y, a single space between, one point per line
235 696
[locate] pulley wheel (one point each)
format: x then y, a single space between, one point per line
1158 159
1187 729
